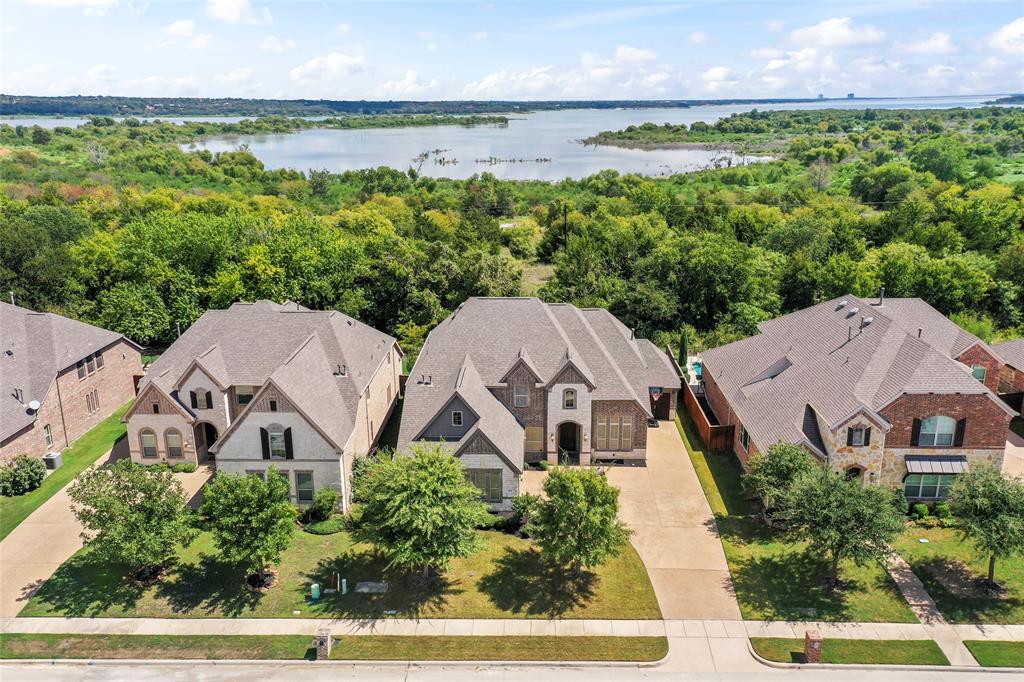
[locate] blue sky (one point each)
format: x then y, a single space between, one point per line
510 50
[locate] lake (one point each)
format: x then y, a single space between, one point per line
539 146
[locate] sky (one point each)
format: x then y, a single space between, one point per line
510 49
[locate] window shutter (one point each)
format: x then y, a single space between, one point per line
915 432
288 444
849 435
192 398
958 437
265 442
209 400
867 436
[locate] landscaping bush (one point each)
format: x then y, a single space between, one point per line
184 467
524 508
326 527
324 503
21 475
543 465
919 511
490 522
943 511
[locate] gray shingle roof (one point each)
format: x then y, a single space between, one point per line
1011 352
496 333
35 347
822 357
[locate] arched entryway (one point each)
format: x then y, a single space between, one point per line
569 437
205 435
854 473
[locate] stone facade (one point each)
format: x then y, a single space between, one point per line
66 406
978 355
480 454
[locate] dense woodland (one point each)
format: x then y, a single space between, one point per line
115 223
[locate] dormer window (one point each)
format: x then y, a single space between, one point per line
201 399
979 372
858 436
521 395
243 394
569 399
456 418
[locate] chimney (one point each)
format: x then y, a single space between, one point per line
632 334
881 297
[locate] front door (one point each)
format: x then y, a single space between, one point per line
569 443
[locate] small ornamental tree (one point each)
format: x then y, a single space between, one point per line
770 473
841 519
419 510
132 516
989 511
251 519
577 524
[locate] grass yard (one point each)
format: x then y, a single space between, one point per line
779 580
863 651
950 569
373 647
82 453
506 579
997 654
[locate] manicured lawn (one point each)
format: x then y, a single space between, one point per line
779 580
505 579
997 654
82 453
371 647
864 651
950 569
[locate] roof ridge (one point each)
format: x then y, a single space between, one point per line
608 356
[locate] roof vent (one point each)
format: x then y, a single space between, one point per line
341 370
919 331
852 311
866 321
842 304
881 297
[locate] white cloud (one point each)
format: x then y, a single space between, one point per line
326 69
505 83
183 28
936 43
272 43
237 12
96 8
1009 38
719 78
98 73
480 35
200 41
241 80
940 72
774 25
612 16
700 38
343 29
836 32
627 54
766 53
433 45
409 85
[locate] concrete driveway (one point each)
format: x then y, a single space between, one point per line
47 538
674 530
1013 460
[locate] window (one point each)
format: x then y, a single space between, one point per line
156 408
614 433
277 444
48 436
273 405
243 394
521 396
937 431
744 438
569 399
99 360
456 418
979 372
173 440
304 486
81 369
148 439
626 433
602 433
928 486
203 399
90 363
855 436
92 401
489 482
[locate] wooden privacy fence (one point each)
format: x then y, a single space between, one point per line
715 436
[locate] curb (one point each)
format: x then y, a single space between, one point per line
878 667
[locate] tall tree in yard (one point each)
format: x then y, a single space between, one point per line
842 520
577 522
251 519
133 516
771 473
989 510
419 510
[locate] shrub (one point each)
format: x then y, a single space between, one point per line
524 508
942 510
184 467
543 465
21 475
324 503
327 527
919 510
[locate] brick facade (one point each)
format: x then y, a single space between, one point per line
66 406
978 355
726 417
535 413
986 426
1011 380
622 408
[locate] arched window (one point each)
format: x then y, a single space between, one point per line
172 438
569 399
937 430
148 440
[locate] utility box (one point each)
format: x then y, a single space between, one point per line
53 460
812 646
323 644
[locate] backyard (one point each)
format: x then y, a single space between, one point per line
507 578
775 579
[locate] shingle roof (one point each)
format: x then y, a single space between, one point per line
822 356
1011 352
35 347
496 333
300 349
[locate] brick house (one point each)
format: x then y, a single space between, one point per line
263 384
1011 377
59 378
891 392
505 381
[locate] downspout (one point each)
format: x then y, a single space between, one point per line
60 405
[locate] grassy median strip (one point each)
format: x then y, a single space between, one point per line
863 651
369 647
997 654
82 453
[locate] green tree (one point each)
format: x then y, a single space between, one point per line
133 516
419 510
251 519
135 310
771 473
989 510
841 520
944 157
577 523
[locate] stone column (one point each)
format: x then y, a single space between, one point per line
323 644
812 646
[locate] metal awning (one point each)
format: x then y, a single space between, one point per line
936 464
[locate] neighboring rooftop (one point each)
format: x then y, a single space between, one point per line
35 347
1011 352
836 358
